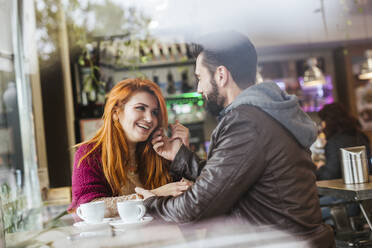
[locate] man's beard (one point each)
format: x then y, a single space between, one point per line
214 102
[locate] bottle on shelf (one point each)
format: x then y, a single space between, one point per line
175 56
184 51
10 97
162 80
101 93
171 89
172 115
185 87
165 51
89 91
155 77
156 52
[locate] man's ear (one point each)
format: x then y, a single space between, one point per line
222 75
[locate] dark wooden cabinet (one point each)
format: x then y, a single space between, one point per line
350 89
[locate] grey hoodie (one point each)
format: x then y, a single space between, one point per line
282 107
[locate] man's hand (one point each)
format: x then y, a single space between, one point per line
187 181
179 131
168 147
173 189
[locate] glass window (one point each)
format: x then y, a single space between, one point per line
19 185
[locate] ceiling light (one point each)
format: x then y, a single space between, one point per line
366 71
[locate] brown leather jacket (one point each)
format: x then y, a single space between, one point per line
256 170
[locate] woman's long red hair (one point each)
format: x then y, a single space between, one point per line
111 140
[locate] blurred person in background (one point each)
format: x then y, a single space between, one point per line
258 167
341 130
120 156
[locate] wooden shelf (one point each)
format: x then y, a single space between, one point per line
149 66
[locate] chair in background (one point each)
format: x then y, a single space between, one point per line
56 202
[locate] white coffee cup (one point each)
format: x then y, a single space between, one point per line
91 212
131 210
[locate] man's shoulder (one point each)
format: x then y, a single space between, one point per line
244 111
243 117
253 119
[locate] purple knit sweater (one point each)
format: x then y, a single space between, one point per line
88 180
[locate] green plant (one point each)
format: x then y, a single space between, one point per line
15 214
32 241
87 24
17 217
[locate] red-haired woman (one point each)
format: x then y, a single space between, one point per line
120 156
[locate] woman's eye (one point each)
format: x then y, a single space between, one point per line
140 108
155 112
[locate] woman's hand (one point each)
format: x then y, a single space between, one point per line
164 146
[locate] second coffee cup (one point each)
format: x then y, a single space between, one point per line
131 210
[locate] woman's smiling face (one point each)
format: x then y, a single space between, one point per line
139 117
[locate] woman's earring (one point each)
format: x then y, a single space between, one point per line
115 117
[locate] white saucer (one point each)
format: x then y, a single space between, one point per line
120 224
88 225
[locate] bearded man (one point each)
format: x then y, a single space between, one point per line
258 167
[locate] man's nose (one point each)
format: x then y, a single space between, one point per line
199 90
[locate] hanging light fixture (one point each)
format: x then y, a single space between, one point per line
366 71
313 75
